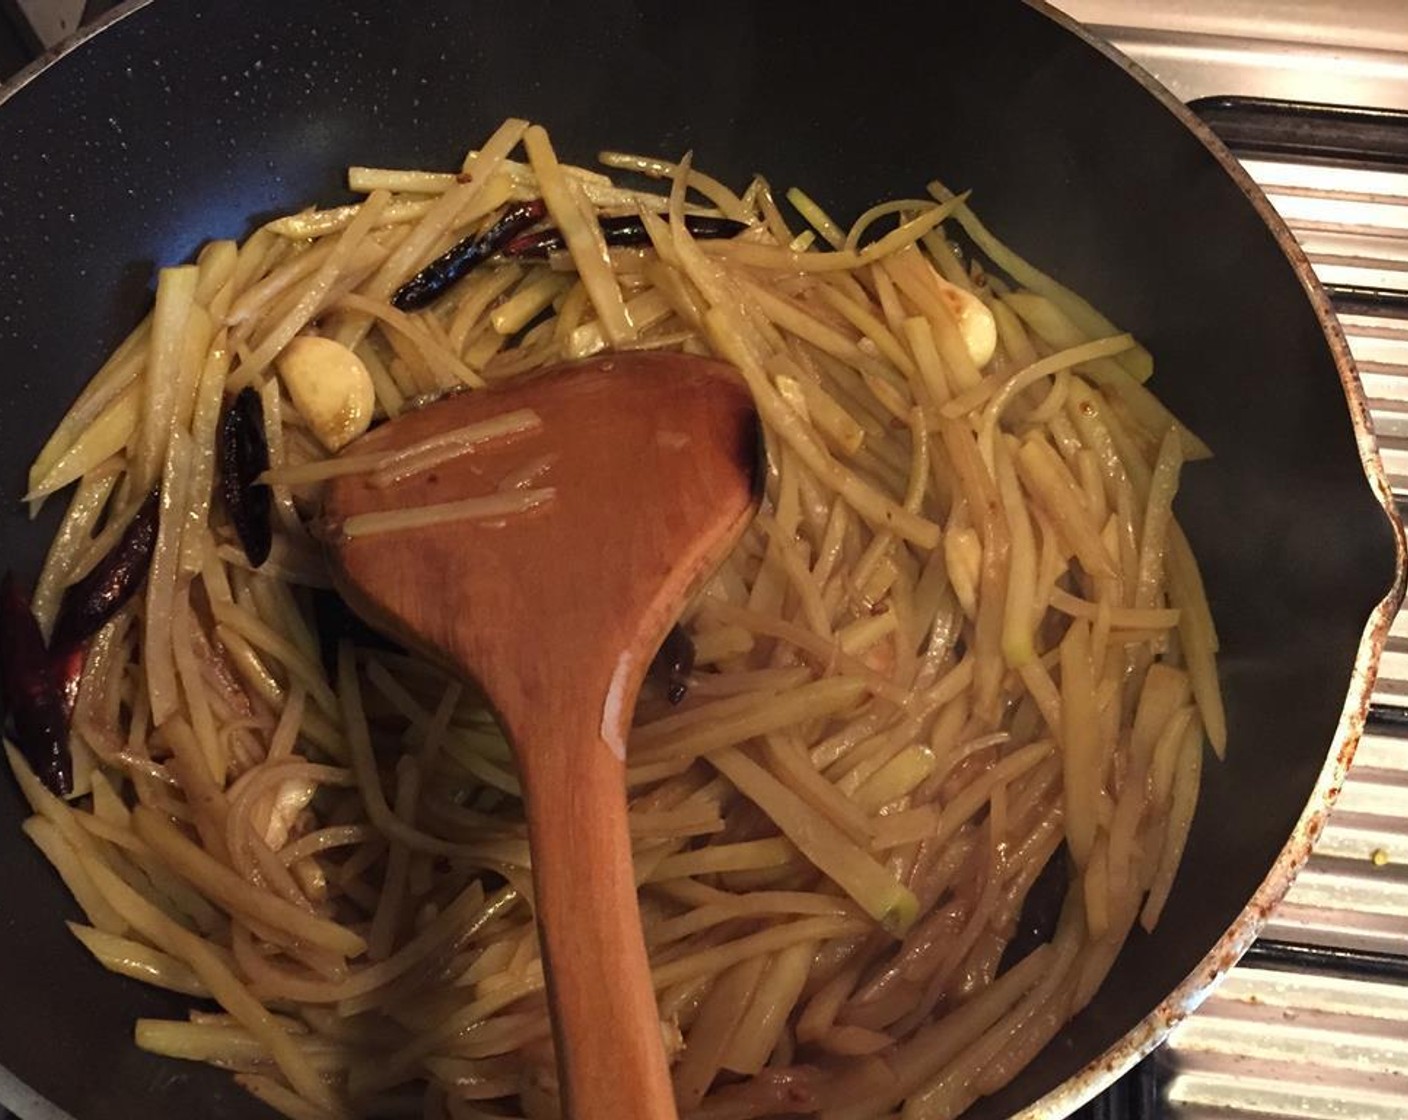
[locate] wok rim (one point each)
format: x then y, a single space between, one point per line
1146 1035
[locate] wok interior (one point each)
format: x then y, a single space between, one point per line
178 125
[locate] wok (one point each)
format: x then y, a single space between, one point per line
173 123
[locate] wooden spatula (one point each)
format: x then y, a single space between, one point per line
652 463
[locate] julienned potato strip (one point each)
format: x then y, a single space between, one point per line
964 638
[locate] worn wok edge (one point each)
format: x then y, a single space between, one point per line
65 47
1151 1031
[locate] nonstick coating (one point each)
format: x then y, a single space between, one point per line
183 122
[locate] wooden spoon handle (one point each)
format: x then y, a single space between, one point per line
589 928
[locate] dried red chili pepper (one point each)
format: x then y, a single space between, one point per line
99 595
621 231
458 261
32 691
242 456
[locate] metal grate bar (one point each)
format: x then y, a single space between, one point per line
1258 126
1353 299
1330 962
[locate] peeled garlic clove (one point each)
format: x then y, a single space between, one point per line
330 387
975 322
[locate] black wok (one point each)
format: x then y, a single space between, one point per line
180 122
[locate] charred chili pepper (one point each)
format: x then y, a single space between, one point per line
32 693
243 454
455 263
99 595
673 663
619 231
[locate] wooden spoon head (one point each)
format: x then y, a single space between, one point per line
654 463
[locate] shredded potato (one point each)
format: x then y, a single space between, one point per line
964 644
